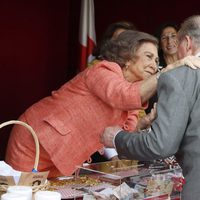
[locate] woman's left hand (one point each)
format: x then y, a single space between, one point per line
146 121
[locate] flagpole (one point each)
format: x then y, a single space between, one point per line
87 34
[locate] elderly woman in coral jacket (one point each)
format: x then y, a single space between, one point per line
70 121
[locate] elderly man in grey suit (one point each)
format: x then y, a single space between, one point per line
176 129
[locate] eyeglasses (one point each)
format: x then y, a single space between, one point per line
172 36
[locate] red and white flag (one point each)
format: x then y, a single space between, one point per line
87 35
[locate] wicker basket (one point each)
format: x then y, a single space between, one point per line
3 188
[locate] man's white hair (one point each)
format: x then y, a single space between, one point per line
191 27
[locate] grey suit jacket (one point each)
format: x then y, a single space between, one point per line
176 129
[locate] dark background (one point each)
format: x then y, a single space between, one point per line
39 43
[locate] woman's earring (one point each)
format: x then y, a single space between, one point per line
126 66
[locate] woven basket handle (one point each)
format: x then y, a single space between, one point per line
34 137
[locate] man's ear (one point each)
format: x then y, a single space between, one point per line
188 43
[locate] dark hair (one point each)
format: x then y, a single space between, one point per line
158 34
124 47
163 26
109 33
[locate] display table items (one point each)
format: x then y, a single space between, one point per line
117 179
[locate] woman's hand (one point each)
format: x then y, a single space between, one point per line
146 121
190 61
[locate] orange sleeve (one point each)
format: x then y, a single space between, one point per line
106 81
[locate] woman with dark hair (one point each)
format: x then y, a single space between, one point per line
168 43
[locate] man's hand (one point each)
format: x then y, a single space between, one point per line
108 136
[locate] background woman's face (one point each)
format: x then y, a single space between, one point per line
169 41
143 65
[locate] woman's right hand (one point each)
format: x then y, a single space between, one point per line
191 61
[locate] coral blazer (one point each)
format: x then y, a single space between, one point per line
70 121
